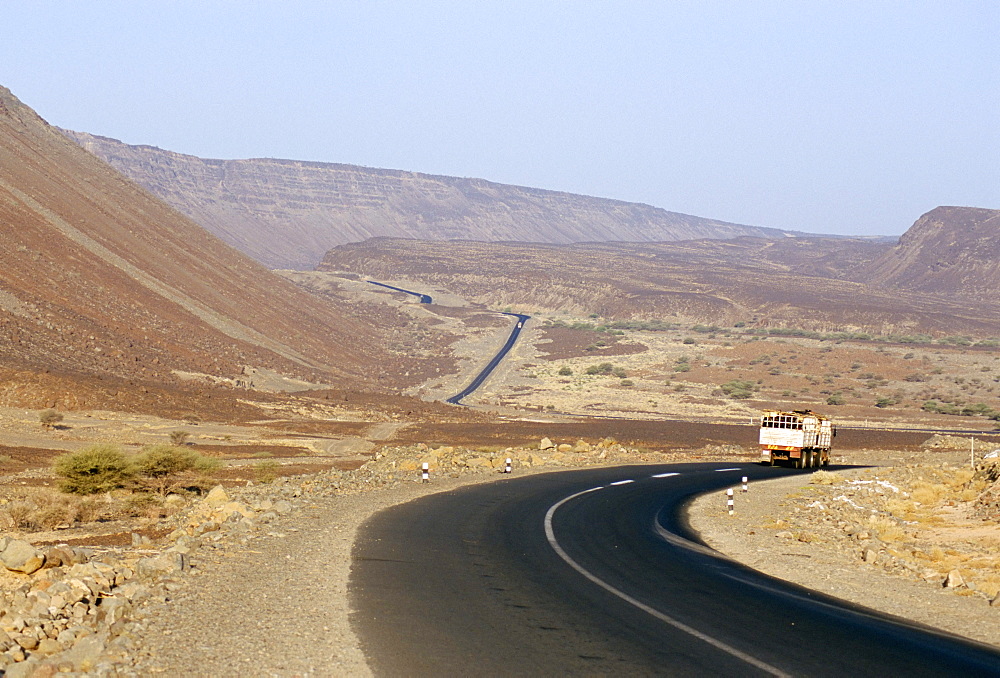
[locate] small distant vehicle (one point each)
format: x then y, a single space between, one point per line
801 438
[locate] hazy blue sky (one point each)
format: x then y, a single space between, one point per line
835 117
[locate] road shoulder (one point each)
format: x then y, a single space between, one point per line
757 535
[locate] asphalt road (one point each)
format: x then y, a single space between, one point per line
486 371
572 574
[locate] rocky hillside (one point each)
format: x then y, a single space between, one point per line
287 214
801 283
99 279
949 250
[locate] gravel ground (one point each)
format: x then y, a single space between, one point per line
291 616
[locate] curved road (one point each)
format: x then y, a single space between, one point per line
423 298
594 572
501 354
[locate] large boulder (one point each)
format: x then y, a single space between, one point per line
20 556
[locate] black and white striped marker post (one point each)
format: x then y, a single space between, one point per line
425 473
506 468
729 501
744 483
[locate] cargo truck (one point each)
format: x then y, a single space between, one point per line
801 438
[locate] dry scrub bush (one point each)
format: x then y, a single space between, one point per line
265 471
49 418
901 508
928 494
825 478
94 469
43 509
887 529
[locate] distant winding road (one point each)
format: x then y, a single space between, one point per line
596 573
490 366
486 371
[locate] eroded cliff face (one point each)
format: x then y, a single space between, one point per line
949 250
287 213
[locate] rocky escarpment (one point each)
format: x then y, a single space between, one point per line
288 213
949 250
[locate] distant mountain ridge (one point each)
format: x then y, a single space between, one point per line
948 251
288 213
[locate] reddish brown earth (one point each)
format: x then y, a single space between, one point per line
949 250
105 292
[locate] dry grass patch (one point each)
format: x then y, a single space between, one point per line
887 529
826 478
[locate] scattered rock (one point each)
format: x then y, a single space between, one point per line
546 444
162 565
953 580
217 497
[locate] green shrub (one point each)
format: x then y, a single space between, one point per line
158 461
739 389
165 468
835 399
619 372
603 368
626 382
94 469
565 371
178 437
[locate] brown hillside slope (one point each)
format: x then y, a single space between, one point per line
287 213
949 250
748 280
98 277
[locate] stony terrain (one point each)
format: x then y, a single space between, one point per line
288 213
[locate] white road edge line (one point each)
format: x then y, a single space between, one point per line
665 475
720 470
554 543
622 482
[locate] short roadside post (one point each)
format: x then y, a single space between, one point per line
506 468
425 472
729 501
744 483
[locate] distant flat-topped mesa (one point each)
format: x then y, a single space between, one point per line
288 213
